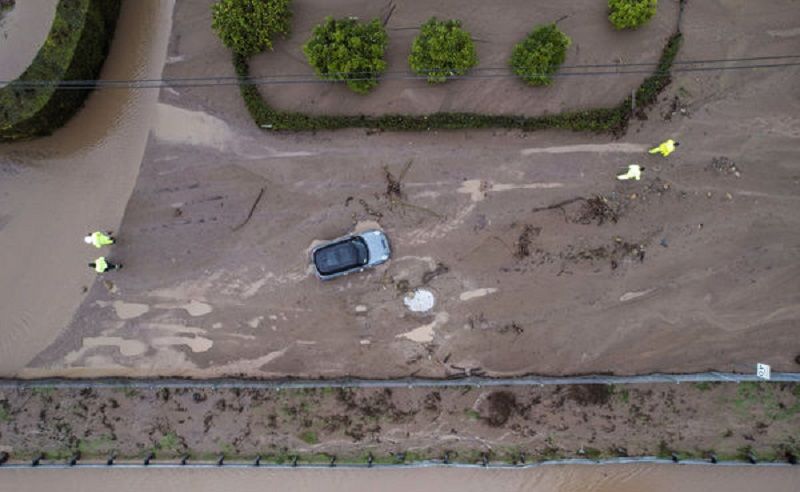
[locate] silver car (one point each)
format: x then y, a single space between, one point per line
353 253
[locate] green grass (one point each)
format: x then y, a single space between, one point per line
96 447
309 437
614 119
43 391
752 396
472 414
126 391
227 449
169 442
5 414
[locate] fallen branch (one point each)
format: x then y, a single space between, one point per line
252 210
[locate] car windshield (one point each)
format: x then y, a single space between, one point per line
342 256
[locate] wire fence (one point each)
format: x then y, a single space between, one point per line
483 73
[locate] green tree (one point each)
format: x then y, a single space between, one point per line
538 57
349 50
631 14
249 26
441 50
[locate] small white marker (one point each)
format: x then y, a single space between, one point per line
763 371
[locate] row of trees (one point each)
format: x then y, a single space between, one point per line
352 51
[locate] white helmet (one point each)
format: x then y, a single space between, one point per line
87 240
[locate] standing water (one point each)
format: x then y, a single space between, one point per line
55 189
576 478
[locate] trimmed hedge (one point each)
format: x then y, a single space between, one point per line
75 49
614 119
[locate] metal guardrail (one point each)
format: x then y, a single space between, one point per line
471 381
420 464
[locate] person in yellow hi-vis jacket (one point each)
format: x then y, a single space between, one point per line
634 172
99 239
101 265
666 148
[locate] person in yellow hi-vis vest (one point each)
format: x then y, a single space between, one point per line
101 265
99 239
665 148
634 172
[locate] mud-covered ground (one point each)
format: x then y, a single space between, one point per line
592 421
539 259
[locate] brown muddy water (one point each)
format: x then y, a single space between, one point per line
23 30
608 478
55 189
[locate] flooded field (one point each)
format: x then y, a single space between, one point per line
614 478
44 186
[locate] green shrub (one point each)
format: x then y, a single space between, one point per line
538 57
249 26
631 14
75 49
442 49
614 119
345 49
5 5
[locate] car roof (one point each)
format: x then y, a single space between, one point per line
341 256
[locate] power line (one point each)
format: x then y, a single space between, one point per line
684 66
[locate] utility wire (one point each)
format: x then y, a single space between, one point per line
684 66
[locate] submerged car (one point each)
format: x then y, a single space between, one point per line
353 253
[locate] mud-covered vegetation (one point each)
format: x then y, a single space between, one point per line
75 49
457 424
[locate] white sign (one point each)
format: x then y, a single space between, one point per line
762 371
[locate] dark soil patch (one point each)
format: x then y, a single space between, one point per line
394 184
501 405
512 327
723 165
596 210
590 394
615 253
440 269
523 249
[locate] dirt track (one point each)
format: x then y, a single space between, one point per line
693 268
